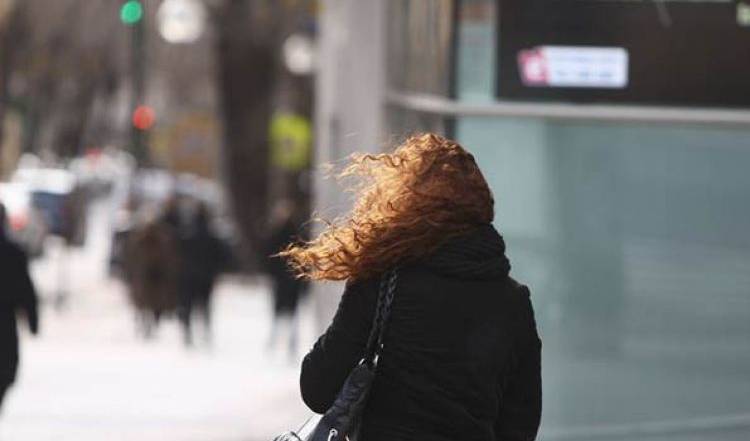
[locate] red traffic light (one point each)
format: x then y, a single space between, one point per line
144 117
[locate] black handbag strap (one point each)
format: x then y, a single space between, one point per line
382 312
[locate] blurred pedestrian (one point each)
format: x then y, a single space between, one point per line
203 257
460 356
286 288
151 261
17 294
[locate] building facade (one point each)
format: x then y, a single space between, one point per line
629 223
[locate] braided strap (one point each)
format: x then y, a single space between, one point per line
382 313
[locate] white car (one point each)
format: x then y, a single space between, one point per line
26 224
55 194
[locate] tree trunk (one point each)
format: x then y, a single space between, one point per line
4 72
7 49
246 64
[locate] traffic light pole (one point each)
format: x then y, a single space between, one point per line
138 137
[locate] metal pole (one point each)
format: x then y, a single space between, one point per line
139 138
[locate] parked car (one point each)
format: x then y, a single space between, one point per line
26 222
98 170
55 194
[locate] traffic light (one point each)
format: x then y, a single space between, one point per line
144 117
131 12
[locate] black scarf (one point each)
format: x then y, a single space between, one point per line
478 254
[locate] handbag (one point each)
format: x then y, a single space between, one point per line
341 421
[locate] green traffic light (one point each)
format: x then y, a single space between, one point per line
131 12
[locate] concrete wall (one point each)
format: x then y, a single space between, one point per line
349 106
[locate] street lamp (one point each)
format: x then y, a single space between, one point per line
181 21
299 54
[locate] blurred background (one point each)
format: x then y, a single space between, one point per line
153 153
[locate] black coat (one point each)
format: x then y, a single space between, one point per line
204 257
461 358
16 294
287 289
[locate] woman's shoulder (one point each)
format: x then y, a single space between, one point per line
519 295
518 289
361 293
525 310
361 285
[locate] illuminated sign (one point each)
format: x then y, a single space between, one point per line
668 52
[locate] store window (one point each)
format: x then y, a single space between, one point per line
632 237
419 42
475 51
633 240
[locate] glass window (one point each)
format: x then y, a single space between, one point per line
419 42
475 51
633 239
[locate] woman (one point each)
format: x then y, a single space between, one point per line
461 357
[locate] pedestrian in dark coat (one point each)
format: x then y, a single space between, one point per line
151 262
461 354
17 295
287 289
203 257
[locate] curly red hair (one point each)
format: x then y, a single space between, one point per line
407 203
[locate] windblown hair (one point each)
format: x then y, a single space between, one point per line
407 203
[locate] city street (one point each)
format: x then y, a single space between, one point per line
177 143
88 376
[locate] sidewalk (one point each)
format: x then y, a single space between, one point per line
88 377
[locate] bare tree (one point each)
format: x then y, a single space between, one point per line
60 55
249 38
6 12
67 53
